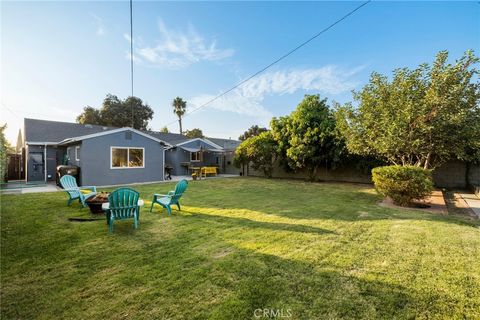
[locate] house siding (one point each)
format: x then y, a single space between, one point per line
174 157
95 160
71 155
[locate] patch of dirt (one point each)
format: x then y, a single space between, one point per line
434 204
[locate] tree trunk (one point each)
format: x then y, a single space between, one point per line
180 123
427 161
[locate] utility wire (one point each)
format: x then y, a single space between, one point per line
11 111
131 56
276 61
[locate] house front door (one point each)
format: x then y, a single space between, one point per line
36 166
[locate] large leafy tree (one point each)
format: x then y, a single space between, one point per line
259 151
90 115
194 133
420 117
179 108
253 131
118 113
164 130
306 138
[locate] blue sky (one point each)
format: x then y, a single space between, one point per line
58 57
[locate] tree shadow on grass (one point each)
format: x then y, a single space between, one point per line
248 223
345 208
268 282
300 200
199 284
246 280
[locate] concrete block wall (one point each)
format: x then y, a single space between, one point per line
344 174
451 175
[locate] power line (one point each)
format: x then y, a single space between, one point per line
276 61
11 111
131 56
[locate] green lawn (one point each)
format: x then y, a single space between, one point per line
309 250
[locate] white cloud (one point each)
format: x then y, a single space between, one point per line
234 102
101 30
247 99
177 49
328 80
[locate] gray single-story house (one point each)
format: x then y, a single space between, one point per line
109 156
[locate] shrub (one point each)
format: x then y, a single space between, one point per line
403 183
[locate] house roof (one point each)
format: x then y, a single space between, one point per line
227 144
46 131
98 134
204 140
172 138
54 131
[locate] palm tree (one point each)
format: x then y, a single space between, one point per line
179 108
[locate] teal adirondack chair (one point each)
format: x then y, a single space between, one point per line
123 204
172 198
70 186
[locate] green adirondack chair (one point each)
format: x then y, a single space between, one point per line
123 204
171 198
70 186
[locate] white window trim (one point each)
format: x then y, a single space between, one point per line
76 153
191 160
128 156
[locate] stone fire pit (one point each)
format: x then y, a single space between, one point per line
95 202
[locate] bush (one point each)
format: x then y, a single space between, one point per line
403 183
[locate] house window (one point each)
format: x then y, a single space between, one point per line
195 156
77 153
126 157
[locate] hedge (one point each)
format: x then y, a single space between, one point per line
403 184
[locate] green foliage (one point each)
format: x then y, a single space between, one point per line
252 132
194 133
260 151
118 113
179 108
403 184
421 117
240 159
307 138
164 130
4 148
90 115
